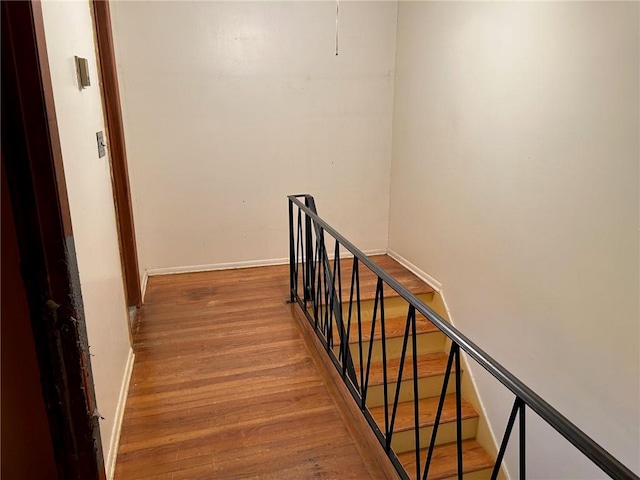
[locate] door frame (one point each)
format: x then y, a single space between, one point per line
117 149
32 156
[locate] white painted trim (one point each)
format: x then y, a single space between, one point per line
433 283
143 287
216 266
375 251
110 464
235 265
368 253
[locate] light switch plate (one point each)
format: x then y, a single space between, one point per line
101 146
82 67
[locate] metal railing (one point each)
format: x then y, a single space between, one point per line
318 272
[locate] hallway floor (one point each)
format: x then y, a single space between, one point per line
224 387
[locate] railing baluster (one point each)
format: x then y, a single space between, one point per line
338 274
333 315
459 416
385 379
307 272
505 439
359 311
327 306
347 343
416 396
336 301
454 351
522 443
403 353
319 296
292 280
300 250
370 351
312 262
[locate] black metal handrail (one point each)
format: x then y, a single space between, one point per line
316 260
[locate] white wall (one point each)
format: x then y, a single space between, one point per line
69 32
515 184
230 106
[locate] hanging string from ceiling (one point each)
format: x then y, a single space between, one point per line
337 18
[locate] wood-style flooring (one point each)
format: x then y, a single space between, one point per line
223 387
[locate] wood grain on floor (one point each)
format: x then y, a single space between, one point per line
224 387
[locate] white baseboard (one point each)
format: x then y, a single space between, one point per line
433 283
368 253
216 266
112 455
143 287
375 251
235 265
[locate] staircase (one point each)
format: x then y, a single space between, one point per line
432 356
394 362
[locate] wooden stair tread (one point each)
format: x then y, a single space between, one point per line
429 365
369 281
394 327
444 463
427 408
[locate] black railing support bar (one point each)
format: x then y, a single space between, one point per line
436 423
333 301
370 351
337 283
359 311
317 303
505 439
317 311
347 343
416 405
309 250
523 448
385 376
396 397
459 415
292 260
300 254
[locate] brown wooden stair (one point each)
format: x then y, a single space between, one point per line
431 370
477 463
403 439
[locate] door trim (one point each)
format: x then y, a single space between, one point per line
118 152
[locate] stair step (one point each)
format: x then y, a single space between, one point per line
427 410
429 338
394 327
394 306
368 280
429 365
426 343
431 370
444 463
404 434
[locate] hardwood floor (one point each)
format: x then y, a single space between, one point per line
223 386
